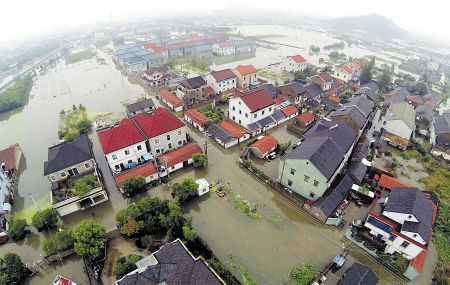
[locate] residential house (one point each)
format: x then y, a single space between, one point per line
343 72
355 113
224 48
314 94
124 145
145 106
359 274
197 119
436 78
289 112
153 59
161 50
224 137
239 132
272 90
172 264
174 103
399 94
175 50
134 65
293 63
263 146
424 119
203 51
246 75
400 120
222 80
193 90
323 79
179 158
432 99
245 109
414 100
293 92
305 119
163 131
189 49
157 76
442 130
331 103
309 169
148 171
243 46
369 90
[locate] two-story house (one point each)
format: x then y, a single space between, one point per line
293 63
400 120
323 79
222 80
192 90
156 76
311 168
246 75
145 106
224 48
247 108
293 92
343 72
243 46
355 113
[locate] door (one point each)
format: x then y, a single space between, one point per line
75 171
70 172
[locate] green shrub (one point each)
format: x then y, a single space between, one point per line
48 217
17 229
49 247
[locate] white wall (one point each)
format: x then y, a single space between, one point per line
161 142
288 64
342 75
190 121
221 86
242 115
398 128
223 50
133 155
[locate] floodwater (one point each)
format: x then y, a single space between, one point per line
283 238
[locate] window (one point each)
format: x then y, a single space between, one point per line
246 115
170 145
255 116
179 132
168 137
234 119
316 183
53 177
292 171
311 194
117 167
139 147
239 102
240 112
239 121
405 244
114 156
156 141
234 108
289 183
306 178
262 113
127 152
87 165
180 142
270 109
63 174
157 150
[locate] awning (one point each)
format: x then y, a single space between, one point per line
147 156
355 78
6 207
255 83
131 164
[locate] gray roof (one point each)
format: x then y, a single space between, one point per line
362 148
404 112
333 197
436 98
372 85
357 170
442 124
358 109
368 92
217 131
67 154
297 87
325 146
411 201
254 126
425 112
140 105
272 90
400 95
133 60
277 116
313 90
265 121
196 82
175 266
359 274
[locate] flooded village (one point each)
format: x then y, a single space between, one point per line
310 158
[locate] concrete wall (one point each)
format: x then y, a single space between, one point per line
221 86
121 157
242 115
64 173
161 143
288 64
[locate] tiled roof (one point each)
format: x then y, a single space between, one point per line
430 103
278 101
265 144
233 128
217 131
289 111
257 100
170 98
209 90
225 44
334 99
180 154
197 117
277 116
159 49
298 58
160 122
161 69
195 82
223 74
143 170
246 69
147 46
313 90
346 68
404 112
359 274
123 135
332 198
333 91
8 156
306 117
442 124
389 182
140 105
325 76
413 99
418 261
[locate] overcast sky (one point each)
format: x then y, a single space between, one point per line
24 18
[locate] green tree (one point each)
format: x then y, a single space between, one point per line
132 185
199 159
130 228
190 234
13 270
173 221
49 247
84 126
149 205
300 75
133 211
17 229
81 188
421 88
303 275
385 78
123 268
89 239
121 216
366 75
64 240
48 217
185 190
310 72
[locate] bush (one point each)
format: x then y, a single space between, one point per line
13 271
47 217
123 269
303 275
133 185
185 190
49 247
135 258
130 228
64 240
147 241
199 159
81 188
17 229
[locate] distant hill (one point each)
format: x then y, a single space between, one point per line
369 26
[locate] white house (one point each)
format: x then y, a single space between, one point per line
124 145
222 80
293 63
197 119
400 120
224 48
343 72
179 158
246 108
203 186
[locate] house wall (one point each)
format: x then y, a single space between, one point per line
287 94
120 156
179 165
64 173
223 50
160 144
176 109
342 74
5 185
414 236
398 128
288 64
243 48
244 81
73 205
135 68
241 114
192 95
221 86
324 85
194 124
352 124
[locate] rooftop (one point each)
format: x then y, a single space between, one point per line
257 100
265 144
170 98
140 105
142 170
180 154
289 110
404 112
223 74
195 82
8 157
246 69
233 128
298 58
197 117
359 274
306 117
160 122
118 137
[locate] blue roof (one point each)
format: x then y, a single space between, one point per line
147 156
6 207
130 164
255 83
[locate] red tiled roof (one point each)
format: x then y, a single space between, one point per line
298 58
334 98
189 44
174 46
179 155
357 65
430 103
159 48
278 101
346 68
389 182
197 117
418 261
170 98
144 170
233 128
8 156
225 44
306 117
148 46
332 92
356 85
257 100
123 135
289 111
415 100
223 74
325 76
246 69
265 144
160 122
209 90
